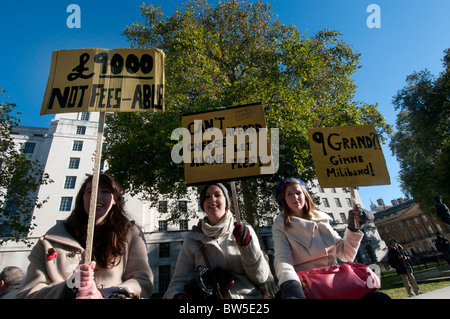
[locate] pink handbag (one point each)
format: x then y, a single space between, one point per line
347 281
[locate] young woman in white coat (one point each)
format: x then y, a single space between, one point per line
230 246
304 239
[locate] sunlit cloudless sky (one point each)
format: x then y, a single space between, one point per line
412 37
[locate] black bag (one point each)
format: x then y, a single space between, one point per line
209 284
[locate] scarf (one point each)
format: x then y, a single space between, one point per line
218 230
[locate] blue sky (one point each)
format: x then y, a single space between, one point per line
412 37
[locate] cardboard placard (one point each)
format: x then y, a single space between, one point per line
227 144
348 156
101 80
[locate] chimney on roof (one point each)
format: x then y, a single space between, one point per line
394 202
380 202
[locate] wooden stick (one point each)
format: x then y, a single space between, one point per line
237 214
95 178
353 200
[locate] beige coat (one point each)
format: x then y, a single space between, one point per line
246 263
47 278
310 244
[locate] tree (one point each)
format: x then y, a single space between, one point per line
422 141
20 178
233 54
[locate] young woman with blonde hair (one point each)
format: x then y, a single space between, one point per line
304 239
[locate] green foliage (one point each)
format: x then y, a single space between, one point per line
20 177
233 54
422 141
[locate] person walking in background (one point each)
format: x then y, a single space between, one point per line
10 280
442 210
442 244
399 259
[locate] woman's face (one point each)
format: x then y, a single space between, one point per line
295 199
214 204
105 201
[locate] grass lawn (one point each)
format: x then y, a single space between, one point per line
392 285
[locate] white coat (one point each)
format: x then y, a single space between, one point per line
246 263
310 244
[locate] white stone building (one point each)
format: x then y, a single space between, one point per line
67 149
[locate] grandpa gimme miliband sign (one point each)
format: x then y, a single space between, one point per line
348 156
101 80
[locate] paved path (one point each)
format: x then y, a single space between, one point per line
442 272
443 293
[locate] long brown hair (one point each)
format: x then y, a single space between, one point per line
110 238
287 212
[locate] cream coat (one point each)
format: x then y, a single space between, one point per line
246 263
310 244
47 278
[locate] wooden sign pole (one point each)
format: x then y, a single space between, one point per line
237 214
95 178
353 200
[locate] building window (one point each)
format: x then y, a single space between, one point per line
325 202
162 206
74 162
162 225
405 235
66 204
333 190
70 182
349 202
182 206
85 116
164 277
77 146
29 147
321 189
81 130
164 250
184 224
422 233
338 202
343 217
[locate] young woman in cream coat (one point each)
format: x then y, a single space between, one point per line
230 246
119 251
304 239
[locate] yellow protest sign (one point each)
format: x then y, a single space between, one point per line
348 156
225 145
101 80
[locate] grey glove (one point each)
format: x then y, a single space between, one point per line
360 214
292 289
